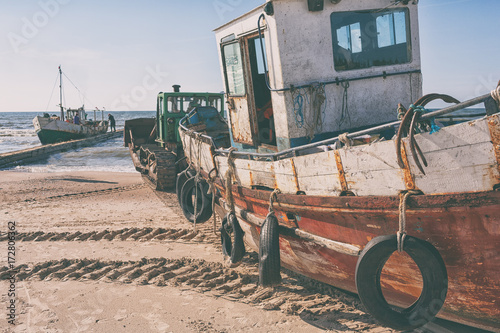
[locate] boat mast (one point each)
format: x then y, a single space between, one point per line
60 93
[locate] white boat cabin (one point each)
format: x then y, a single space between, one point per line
320 68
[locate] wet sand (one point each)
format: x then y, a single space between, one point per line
103 252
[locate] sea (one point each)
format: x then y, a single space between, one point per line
17 133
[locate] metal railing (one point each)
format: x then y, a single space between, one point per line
295 151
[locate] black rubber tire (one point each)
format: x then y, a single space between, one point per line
231 234
434 276
269 253
181 180
204 205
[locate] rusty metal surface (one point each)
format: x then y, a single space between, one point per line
340 168
465 228
295 178
408 177
241 127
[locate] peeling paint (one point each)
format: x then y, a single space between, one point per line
408 177
295 178
340 167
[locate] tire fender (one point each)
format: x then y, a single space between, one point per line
269 252
204 206
432 268
231 234
181 180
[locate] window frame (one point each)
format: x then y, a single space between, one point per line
226 78
369 38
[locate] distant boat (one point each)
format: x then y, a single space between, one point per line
53 129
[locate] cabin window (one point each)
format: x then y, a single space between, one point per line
233 66
215 102
368 39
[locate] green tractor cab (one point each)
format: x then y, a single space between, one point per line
154 143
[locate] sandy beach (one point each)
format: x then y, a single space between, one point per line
103 252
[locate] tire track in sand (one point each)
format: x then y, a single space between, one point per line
86 194
296 296
136 234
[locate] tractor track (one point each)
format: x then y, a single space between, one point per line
77 195
296 296
126 234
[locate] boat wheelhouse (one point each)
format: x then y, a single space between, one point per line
324 72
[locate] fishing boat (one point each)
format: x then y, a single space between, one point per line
338 171
53 129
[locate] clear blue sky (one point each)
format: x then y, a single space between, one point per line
121 53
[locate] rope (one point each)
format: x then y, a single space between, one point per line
496 94
229 179
345 139
433 127
52 93
318 97
298 105
81 94
344 112
212 188
401 111
273 198
401 234
314 101
197 179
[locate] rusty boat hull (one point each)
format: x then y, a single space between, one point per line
322 235
463 227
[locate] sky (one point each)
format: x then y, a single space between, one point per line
121 53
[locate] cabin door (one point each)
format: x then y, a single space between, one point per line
262 104
241 116
249 98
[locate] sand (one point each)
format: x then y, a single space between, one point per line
103 252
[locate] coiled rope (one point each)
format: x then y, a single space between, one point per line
309 106
408 126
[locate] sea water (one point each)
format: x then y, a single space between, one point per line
17 133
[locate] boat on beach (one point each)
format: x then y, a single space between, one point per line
53 129
338 171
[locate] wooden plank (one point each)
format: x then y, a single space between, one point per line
461 169
461 158
460 135
316 174
373 169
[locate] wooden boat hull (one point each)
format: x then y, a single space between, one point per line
463 227
323 231
53 131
